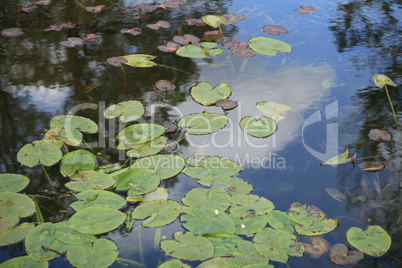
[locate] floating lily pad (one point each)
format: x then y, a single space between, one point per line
140 133
202 50
10 233
226 104
102 253
245 205
174 263
138 180
164 166
382 80
90 180
98 198
248 225
196 22
260 128
340 255
204 94
274 30
12 32
213 36
187 39
376 134
14 204
24 261
221 243
41 243
171 4
171 146
273 109
169 47
268 46
67 235
140 60
306 10
231 17
170 126
317 247
28 9
335 194
44 2
374 242
216 198
95 9
232 185
188 246
372 166
126 110
144 8
60 26
340 159
163 85
159 24
157 213
246 255
332 83
73 42
280 220
203 123
77 161
39 152
13 183
145 149
133 31
71 126
214 20
116 61
97 220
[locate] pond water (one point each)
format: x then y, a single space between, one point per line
326 80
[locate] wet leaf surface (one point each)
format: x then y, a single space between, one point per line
374 242
126 111
13 183
204 94
209 167
67 235
12 32
116 61
138 181
73 42
317 247
202 50
376 135
246 205
274 30
163 85
372 166
157 213
340 255
382 80
159 24
340 159
259 128
95 9
226 104
306 10
214 20
203 123
215 198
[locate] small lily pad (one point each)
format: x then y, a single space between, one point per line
140 133
163 166
77 161
340 159
12 32
116 61
159 24
69 127
273 109
317 247
340 255
140 60
204 94
381 80
169 47
187 39
133 31
260 128
332 83
10 233
231 17
372 166
376 134
171 146
90 180
17 205
374 242
97 220
274 30
73 42
214 20
203 123
13 183
226 104
126 110
201 50
306 10
163 85
157 213
213 36
39 152
196 22
268 46
98 198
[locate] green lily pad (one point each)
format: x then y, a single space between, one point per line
77 161
204 94
140 133
102 253
151 147
216 198
97 220
41 244
280 220
203 123
317 228
140 60
248 225
160 212
381 80
12 183
188 246
260 128
69 128
273 109
232 185
246 254
90 180
138 180
331 83
247 204
24 261
340 159
214 20
374 242
98 198
10 233
14 204
207 167
220 243
173 264
158 194
208 221
67 235
164 166
39 152
277 245
201 50
127 110
268 46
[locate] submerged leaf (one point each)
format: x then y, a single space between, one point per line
317 247
116 61
340 159
335 194
374 242
273 109
260 128
340 255
331 83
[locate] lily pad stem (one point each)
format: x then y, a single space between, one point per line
170 67
124 83
48 178
392 107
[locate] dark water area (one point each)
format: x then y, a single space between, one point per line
344 43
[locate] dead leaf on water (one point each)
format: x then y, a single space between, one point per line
340 159
376 135
372 166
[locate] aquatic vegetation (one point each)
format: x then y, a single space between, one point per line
340 255
274 30
340 159
260 128
204 94
375 241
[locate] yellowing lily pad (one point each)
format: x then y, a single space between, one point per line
381 80
340 255
214 20
260 128
203 123
374 242
139 60
273 109
204 94
340 159
127 111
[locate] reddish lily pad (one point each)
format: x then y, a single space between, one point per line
73 42
60 26
243 52
196 22
340 255
171 145
169 47
12 32
170 126
163 85
232 43
186 39
171 4
376 134
231 17
372 166
274 30
306 10
28 9
317 247
44 2
213 36
92 37
159 24
226 104
144 8
133 31
95 9
116 61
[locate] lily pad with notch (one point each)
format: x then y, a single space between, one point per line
133 31
13 183
126 111
208 167
226 104
140 133
159 24
116 61
73 42
246 255
77 161
201 50
187 39
148 148
98 198
39 152
204 94
340 159
137 181
10 233
340 255
268 46
140 60
246 205
216 198
214 20
169 47
374 242
69 127
203 123
157 213
90 180
231 17
280 220
259 128
273 109
274 30
163 85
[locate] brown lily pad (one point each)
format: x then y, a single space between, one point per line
274 30
92 37
340 255
44 2
372 166
306 10
171 4
142 9
73 42
169 47
231 17
60 26
213 36
186 39
95 9
163 85
196 22
226 104
317 247
170 126
171 145
28 9
376 135
116 61
12 32
159 24
239 49
133 31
